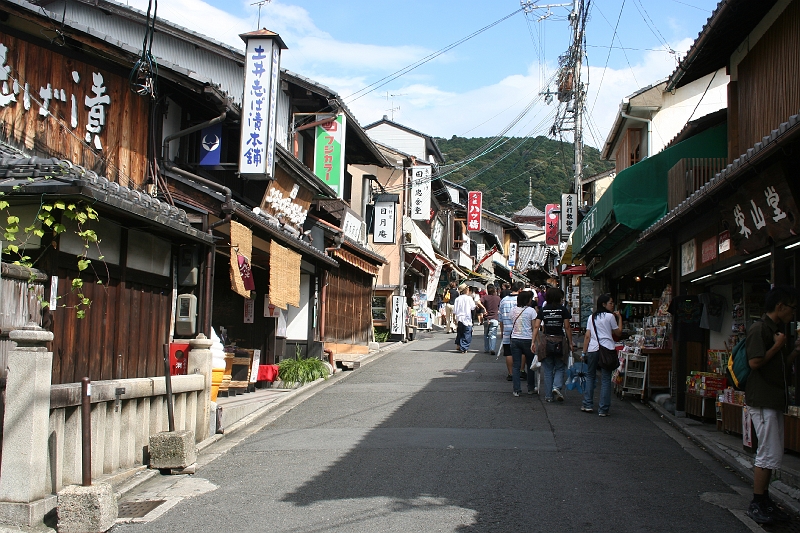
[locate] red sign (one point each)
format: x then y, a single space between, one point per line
709 250
474 207
551 233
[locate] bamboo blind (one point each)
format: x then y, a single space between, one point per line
284 276
241 241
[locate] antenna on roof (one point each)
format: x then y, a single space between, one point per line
260 4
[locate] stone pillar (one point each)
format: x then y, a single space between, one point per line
200 363
24 496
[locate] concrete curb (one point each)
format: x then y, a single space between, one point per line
255 420
778 489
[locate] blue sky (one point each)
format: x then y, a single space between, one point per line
477 88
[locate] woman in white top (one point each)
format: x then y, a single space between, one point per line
522 319
607 322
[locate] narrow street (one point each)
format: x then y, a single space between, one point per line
427 439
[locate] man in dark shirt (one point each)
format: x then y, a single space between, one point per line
490 302
767 394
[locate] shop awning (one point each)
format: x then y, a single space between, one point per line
578 270
568 258
418 243
638 195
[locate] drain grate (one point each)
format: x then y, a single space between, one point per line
791 527
137 509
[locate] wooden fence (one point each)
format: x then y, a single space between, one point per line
689 174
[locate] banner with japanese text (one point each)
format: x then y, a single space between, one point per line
421 193
569 214
551 227
474 209
329 152
398 314
384 226
257 146
512 254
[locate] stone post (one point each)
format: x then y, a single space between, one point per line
200 363
24 496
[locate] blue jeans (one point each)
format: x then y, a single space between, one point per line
605 384
554 368
463 336
490 335
519 347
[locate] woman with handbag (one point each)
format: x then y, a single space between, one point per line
554 341
522 319
600 353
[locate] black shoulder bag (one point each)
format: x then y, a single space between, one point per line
608 359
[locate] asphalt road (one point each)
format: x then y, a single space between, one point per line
427 439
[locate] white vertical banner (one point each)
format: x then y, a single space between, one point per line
512 254
569 214
481 251
421 193
433 281
398 314
383 229
261 79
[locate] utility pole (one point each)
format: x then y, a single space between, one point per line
577 18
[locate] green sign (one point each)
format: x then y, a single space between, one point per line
329 153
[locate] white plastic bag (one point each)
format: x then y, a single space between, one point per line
535 364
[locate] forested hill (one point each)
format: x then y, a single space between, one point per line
502 174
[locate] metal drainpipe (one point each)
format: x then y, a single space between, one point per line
295 144
649 129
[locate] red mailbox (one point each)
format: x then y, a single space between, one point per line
178 358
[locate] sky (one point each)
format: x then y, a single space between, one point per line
477 88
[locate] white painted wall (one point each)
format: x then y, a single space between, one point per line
297 321
679 107
399 140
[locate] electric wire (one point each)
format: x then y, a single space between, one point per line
651 25
608 57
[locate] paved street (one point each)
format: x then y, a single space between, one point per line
427 439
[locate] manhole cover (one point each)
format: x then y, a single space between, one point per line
137 509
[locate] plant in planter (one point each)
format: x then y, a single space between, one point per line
301 370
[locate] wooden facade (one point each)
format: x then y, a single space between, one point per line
348 306
629 150
45 91
688 175
768 86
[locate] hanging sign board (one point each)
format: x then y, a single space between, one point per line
383 229
420 193
551 228
512 254
569 214
474 208
329 152
257 146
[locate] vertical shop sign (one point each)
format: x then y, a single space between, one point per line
421 193
512 254
383 229
257 145
480 250
551 228
249 310
569 214
398 314
474 208
688 258
329 152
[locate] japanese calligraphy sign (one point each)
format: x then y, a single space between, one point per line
569 214
257 146
551 226
383 229
480 250
351 226
398 314
512 254
329 152
474 208
761 209
72 110
420 193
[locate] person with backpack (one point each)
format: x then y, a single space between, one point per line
601 327
557 339
766 395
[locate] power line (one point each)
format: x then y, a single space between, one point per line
602 76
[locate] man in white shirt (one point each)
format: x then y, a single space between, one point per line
462 309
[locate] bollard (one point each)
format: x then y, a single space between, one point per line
168 381
86 431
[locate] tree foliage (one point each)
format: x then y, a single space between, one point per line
503 173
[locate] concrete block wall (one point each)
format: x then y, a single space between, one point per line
121 428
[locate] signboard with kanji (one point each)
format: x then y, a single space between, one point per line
512 254
383 229
569 214
551 227
474 208
398 314
329 153
257 147
421 193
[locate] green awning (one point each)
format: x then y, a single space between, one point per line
637 197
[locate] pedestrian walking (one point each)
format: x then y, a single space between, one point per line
449 299
505 290
478 315
553 343
462 309
601 326
523 317
490 302
766 395
507 305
